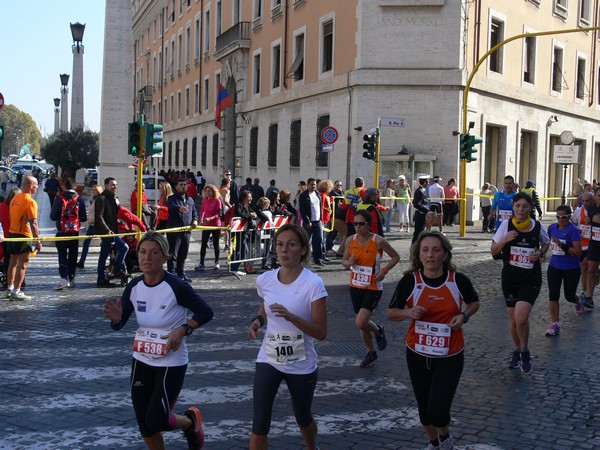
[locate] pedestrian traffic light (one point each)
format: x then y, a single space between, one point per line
1 137
153 138
370 145
464 145
135 144
473 141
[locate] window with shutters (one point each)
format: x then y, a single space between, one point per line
185 153
203 150
272 145
215 150
253 156
295 129
194 151
321 157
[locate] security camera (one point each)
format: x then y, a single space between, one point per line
555 118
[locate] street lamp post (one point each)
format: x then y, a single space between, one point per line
77 30
56 114
64 101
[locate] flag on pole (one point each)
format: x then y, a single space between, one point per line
224 101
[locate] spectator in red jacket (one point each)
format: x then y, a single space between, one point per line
148 214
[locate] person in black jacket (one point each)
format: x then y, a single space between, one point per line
105 223
309 203
243 210
182 213
420 204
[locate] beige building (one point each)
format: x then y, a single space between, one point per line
294 67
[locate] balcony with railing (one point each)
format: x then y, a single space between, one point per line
235 38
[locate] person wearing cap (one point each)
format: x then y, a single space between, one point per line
420 205
372 206
530 189
436 196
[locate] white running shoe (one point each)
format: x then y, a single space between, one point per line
20 295
63 283
217 267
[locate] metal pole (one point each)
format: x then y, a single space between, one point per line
563 198
377 153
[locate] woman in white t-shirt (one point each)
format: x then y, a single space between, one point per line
295 312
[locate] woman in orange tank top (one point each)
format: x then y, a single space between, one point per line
431 295
362 255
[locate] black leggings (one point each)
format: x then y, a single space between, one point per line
216 234
571 279
154 391
266 384
434 382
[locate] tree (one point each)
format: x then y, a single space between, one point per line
19 129
71 150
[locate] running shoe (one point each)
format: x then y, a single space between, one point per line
217 267
185 278
554 329
579 306
63 283
588 302
9 294
515 361
80 265
448 444
369 359
19 296
526 362
71 284
199 268
195 434
381 338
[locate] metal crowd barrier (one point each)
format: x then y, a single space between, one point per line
254 245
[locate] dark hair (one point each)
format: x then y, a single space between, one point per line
415 262
565 208
521 196
249 180
224 182
300 234
310 180
69 183
244 195
365 214
359 182
509 177
108 180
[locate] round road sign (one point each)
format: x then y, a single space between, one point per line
329 135
1 100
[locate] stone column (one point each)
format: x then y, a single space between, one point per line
77 30
117 104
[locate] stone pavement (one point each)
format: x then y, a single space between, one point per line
64 373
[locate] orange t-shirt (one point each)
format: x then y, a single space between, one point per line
23 208
367 259
431 336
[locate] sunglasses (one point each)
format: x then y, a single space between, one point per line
562 217
227 174
361 224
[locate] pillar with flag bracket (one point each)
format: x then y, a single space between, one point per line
224 101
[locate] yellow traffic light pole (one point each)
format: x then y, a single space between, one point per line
463 162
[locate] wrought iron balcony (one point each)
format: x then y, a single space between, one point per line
236 37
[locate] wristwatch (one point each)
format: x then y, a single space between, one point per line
188 329
466 318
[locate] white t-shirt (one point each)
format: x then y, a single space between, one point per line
315 206
297 297
435 193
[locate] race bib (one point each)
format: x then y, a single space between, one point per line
585 230
432 339
557 249
285 348
151 342
504 214
362 276
595 234
521 257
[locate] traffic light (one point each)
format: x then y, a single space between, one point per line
370 145
473 141
1 137
153 138
464 145
135 144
